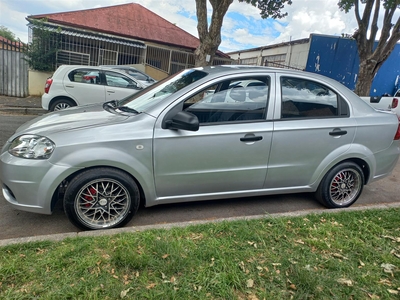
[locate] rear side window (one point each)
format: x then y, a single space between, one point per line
90 76
118 80
303 98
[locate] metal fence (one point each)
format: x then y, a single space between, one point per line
13 70
172 61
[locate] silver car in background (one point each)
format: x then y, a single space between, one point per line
199 135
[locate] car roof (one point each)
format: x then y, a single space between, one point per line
216 71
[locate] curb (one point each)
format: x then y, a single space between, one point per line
95 233
23 110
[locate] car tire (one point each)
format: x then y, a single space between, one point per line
341 186
101 198
61 104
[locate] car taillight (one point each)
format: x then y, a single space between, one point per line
48 85
397 136
395 102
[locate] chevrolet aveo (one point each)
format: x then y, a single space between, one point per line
203 133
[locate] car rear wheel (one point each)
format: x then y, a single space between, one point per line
101 198
61 103
341 186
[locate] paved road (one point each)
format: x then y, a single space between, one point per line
15 223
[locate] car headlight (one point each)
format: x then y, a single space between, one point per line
31 146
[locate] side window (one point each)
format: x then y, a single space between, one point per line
90 76
231 101
119 80
137 75
307 99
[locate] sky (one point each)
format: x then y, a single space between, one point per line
243 28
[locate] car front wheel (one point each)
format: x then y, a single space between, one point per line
101 198
341 186
61 103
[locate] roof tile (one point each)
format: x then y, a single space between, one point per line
129 20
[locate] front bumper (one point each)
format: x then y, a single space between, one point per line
30 184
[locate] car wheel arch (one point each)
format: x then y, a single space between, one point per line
358 161
358 154
59 191
62 97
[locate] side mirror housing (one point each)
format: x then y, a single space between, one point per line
183 120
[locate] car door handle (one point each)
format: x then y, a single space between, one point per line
337 132
251 138
111 92
69 86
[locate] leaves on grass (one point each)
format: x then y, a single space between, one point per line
165 256
393 292
250 283
385 282
252 244
212 261
395 239
338 255
388 268
299 242
394 252
197 288
196 236
345 281
124 293
151 285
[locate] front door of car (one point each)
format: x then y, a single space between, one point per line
229 152
313 126
119 86
84 86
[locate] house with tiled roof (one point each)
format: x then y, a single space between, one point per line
127 34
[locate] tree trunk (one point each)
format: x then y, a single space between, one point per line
210 37
365 77
207 47
372 58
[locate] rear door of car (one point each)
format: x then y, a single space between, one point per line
229 152
312 127
84 85
119 86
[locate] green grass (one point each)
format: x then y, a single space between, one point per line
346 255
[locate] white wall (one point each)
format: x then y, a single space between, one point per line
296 54
37 81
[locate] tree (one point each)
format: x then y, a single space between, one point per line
210 36
41 52
371 57
8 34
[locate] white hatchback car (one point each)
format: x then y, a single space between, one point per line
73 85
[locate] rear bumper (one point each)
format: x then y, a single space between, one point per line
46 101
386 161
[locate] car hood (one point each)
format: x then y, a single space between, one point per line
72 118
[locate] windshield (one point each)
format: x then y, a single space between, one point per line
162 89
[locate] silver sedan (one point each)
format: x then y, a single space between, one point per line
203 133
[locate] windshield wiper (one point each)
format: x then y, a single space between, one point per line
127 109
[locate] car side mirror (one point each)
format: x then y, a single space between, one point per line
183 120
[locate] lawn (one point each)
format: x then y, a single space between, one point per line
346 255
